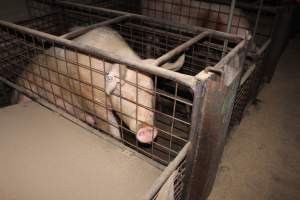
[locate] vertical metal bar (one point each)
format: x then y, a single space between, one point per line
193 137
154 114
232 6
69 83
229 22
257 18
58 77
173 121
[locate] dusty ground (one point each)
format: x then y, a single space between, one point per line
262 159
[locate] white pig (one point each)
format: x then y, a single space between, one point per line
197 13
42 78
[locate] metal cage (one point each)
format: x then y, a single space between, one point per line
191 108
261 19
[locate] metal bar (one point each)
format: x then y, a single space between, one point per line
257 18
166 57
232 37
259 53
214 102
262 49
183 79
225 60
231 54
250 6
229 22
193 137
247 74
167 173
72 4
83 30
191 28
83 125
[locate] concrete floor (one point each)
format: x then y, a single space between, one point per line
262 159
44 156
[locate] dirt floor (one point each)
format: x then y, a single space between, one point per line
262 159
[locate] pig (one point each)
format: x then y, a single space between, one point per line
197 13
116 80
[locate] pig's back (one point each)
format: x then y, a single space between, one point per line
108 40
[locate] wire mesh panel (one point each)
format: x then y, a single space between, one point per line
123 94
70 79
209 14
258 18
174 185
58 20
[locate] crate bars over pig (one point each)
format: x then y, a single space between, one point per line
192 107
259 18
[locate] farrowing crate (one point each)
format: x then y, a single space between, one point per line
262 18
192 107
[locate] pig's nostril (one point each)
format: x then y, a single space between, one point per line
146 134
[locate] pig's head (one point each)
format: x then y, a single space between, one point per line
136 107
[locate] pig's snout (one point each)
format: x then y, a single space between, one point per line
146 134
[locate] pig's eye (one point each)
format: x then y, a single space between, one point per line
109 77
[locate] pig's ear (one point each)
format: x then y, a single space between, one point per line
115 72
176 65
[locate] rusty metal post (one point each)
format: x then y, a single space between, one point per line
214 99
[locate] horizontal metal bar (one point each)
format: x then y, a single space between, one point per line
262 49
72 4
85 29
218 67
228 36
166 57
230 55
29 21
247 74
167 172
183 79
251 6
259 53
159 31
83 125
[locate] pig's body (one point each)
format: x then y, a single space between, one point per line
68 91
197 13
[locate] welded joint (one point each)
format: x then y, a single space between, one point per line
218 72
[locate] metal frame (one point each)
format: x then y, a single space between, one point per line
264 69
213 88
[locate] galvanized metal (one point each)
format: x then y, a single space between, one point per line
211 93
210 132
164 58
229 23
167 172
157 20
261 3
82 124
98 53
